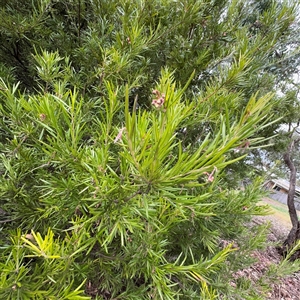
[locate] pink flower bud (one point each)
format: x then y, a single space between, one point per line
159 101
119 136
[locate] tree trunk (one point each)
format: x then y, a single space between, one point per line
294 234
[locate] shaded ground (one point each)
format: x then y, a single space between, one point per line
287 288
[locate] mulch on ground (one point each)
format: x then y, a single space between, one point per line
287 288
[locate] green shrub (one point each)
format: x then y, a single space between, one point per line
117 145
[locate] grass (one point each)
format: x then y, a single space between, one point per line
279 210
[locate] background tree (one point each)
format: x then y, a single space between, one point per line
119 144
283 157
293 236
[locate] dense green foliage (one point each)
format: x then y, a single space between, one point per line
121 122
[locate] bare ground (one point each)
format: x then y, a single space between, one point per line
288 287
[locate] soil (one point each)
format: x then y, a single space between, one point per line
287 288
